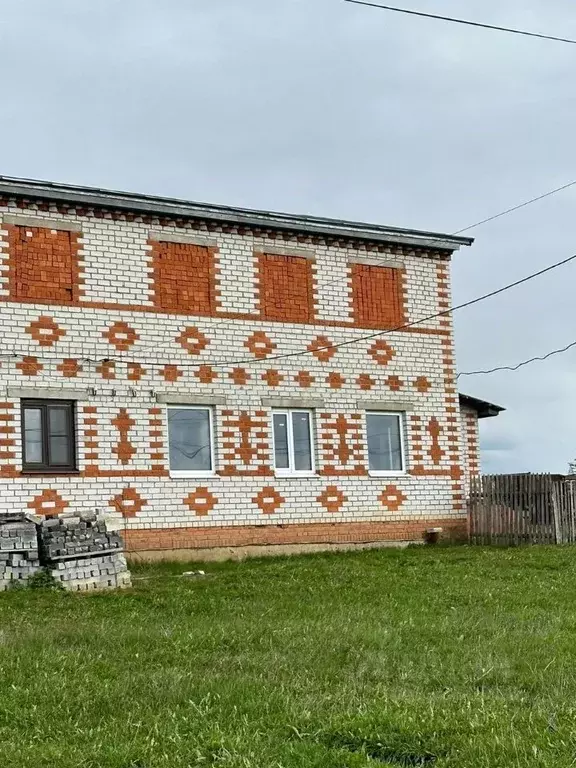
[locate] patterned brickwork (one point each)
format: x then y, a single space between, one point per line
8 417
184 278
377 296
285 288
245 443
342 446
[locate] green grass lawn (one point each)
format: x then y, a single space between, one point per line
440 657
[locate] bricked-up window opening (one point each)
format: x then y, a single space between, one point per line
43 264
48 435
385 443
190 440
293 442
184 277
377 296
286 292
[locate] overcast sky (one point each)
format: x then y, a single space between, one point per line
319 106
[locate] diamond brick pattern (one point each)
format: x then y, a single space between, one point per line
192 340
332 499
260 345
121 336
48 503
128 503
381 352
392 498
201 501
45 331
268 500
322 349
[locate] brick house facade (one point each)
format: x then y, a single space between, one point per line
216 377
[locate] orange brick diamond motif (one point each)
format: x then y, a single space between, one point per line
69 368
392 498
422 384
121 336
45 331
171 373
332 499
269 500
239 376
365 381
272 378
128 503
304 379
192 340
206 374
395 383
260 345
29 366
201 501
381 352
322 349
135 371
335 380
107 369
48 503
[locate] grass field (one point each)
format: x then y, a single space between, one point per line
440 657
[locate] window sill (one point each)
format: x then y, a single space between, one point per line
294 474
49 472
387 473
185 474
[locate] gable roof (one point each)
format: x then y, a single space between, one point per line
166 206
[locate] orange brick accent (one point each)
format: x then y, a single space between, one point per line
381 352
196 537
171 373
45 331
201 501
184 278
285 288
377 296
395 383
472 443
206 374
246 449
364 381
272 378
239 376
48 503
260 345
335 380
268 500
124 448
341 444
29 366
90 438
304 379
392 498
322 348
7 440
332 499
192 340
121 336
107 369
43 264
422 384
128 503
435 451
135 371
69 368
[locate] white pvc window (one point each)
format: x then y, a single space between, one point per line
190 440
293 442
385 443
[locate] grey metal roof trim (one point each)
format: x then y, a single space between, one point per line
164 206
484 409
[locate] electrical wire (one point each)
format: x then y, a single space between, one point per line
466 22
519 365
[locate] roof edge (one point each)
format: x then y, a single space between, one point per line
483 408
165 206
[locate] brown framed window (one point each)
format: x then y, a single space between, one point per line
43 264
286 292
377 296
48 435
184 278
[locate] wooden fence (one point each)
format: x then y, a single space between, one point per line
522 509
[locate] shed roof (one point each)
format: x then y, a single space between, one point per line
166 206
483 408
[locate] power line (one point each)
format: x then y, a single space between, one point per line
466 22
520 365
368 337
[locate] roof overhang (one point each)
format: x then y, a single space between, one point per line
483 408
164 206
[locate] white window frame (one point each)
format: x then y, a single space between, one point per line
290 471
191 472
401 417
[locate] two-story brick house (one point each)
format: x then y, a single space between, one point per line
218 377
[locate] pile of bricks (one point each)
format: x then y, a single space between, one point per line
18 551
79 551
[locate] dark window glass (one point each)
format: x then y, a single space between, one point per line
48 435
189 434
384 442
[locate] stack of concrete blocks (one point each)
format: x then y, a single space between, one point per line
19 557
82 553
